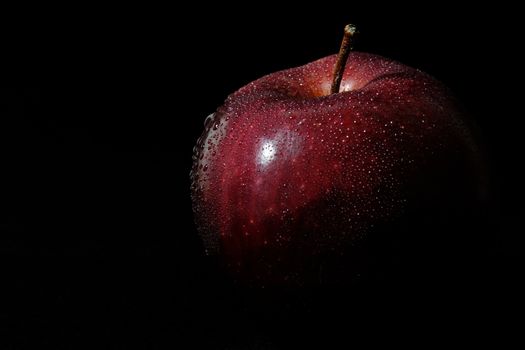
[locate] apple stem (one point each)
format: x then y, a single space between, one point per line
344 51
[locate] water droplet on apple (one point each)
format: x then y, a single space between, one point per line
209 119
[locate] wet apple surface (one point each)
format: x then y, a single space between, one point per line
287 176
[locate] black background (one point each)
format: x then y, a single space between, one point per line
97 237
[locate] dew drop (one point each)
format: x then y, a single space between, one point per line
209 119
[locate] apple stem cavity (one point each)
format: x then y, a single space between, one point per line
344 51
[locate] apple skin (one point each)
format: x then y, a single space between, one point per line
290 185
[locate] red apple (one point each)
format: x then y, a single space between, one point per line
290 180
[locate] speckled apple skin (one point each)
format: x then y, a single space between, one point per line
287 176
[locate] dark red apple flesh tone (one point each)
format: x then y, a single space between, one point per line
287 175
